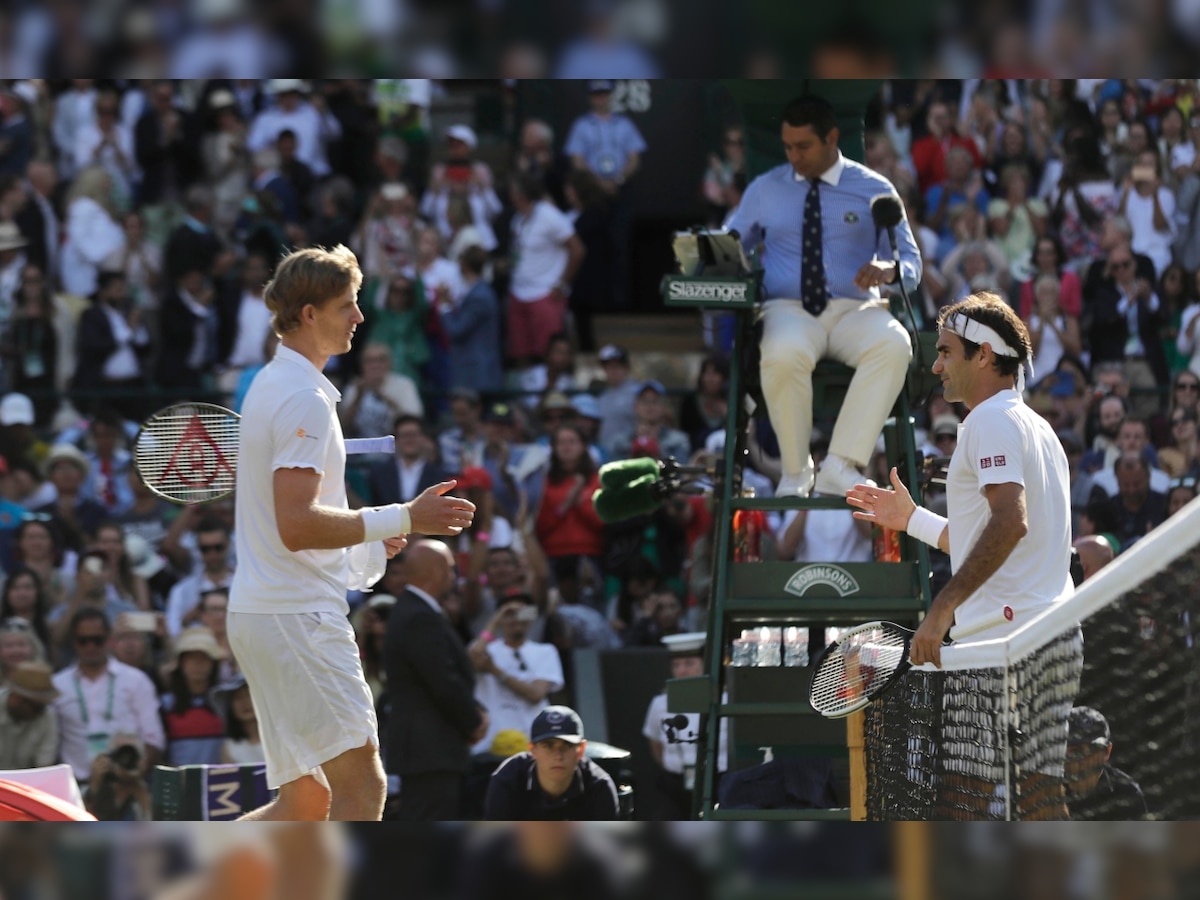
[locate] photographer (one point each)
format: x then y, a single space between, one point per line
117 788
516 675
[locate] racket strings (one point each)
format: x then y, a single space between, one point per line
189 454
856 669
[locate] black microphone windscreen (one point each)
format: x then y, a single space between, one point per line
677 722
622 472
886 211
627 501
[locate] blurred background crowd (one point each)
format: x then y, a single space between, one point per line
512 235
541 861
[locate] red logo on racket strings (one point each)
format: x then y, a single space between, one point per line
199 455
1008 614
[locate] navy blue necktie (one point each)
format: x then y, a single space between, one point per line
812 264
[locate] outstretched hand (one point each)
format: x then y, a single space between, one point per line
434 513
889 508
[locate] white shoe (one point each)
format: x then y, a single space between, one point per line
838 475
799 485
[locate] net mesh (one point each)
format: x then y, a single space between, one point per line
188 452
1011 739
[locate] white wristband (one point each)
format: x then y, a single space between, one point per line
381 522
926 525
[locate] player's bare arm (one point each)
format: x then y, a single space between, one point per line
305 524
1005 529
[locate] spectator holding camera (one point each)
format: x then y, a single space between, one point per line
101 698
515 675
117 789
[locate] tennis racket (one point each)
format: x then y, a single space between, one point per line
187 453
864 663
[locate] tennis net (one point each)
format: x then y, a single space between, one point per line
986 737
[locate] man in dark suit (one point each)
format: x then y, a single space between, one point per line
434 718
188 332
399 480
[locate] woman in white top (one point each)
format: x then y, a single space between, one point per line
1052 332
92 231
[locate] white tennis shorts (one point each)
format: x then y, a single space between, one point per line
306 680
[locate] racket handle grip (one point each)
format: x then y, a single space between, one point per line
385 444
957 634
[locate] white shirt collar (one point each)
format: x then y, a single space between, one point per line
290 356
832 175
437 607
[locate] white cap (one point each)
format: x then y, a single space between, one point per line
690 642
464 133
142 558
283 85
16 409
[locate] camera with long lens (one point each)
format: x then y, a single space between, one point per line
126 757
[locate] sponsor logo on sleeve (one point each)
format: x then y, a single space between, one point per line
985 463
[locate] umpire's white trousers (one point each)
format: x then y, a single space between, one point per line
861 334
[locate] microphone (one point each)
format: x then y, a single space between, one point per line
621 473
639 497
625 471
887 213
678 722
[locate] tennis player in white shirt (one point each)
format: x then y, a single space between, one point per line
300 548
1008 532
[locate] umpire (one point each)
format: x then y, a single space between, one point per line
552 780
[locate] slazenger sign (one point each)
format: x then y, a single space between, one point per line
723 292
834 576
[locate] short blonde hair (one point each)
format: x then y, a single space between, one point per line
314 276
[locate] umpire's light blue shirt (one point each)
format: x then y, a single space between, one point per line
772 213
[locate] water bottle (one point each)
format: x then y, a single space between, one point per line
748 527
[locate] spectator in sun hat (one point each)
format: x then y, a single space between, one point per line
1097 790
652 420
462 175
195 727
944 434
77 516
28 722
12 262
553 779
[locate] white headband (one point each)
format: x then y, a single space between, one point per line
977 333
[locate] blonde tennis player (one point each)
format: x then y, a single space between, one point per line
300 548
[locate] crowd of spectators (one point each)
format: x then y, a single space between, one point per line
139 222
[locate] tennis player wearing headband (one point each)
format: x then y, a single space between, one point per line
1009 527
300 548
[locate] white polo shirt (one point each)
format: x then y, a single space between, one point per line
1004 441
681 756
508 710
289 420
539 244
